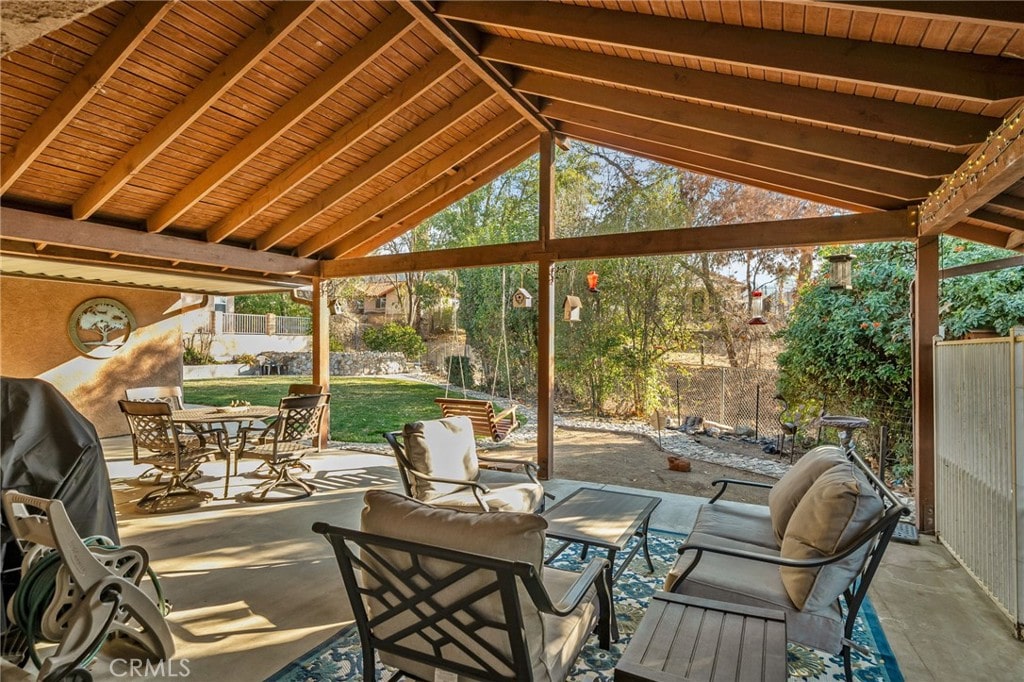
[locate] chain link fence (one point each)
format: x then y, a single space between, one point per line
735 396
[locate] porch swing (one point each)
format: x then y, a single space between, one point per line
486 423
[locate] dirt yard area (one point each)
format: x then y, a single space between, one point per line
623 459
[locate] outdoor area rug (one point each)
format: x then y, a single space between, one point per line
340 657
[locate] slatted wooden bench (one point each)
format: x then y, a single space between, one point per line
486 424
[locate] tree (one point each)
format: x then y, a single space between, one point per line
277 304
394 338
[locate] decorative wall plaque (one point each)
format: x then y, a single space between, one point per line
99 327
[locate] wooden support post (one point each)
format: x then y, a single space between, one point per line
925 325
546 313
321 351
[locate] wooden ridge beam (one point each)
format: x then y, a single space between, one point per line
988 172
421 134
323 86
976 77
865 114
108 58
736 171
334 146
38 227
262 40
442 193
466 48
859 149
853 228
439 165
877 181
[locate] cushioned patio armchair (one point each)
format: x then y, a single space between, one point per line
438 463
436 589
812 552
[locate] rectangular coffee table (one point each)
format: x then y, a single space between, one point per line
687 639
606 519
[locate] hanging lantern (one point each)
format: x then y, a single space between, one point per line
571 309
756 309
522 299
840 271
592 281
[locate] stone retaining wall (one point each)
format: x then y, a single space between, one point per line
367 363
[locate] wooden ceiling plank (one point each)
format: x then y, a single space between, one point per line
867 151
335 145
904 187
987 173
436 167
976 233
468 52
1008 202
32 227
442 193
260 42
380 162
856 112
1005 14
968 76
107 59
854 228
735 171
334 77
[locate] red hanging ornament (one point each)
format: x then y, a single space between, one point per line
592 281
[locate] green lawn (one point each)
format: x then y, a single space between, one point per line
361 407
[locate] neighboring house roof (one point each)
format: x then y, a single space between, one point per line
375 289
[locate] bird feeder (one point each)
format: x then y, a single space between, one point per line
840 271
336 306
571 308
592 281
522 299
756 309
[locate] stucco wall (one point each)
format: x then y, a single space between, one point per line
34 342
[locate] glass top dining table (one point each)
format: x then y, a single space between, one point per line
224 415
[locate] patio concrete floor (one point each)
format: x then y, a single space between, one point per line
253 588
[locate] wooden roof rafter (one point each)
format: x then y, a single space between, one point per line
937 72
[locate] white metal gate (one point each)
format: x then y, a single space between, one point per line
979 446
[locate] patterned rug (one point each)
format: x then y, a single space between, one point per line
340 658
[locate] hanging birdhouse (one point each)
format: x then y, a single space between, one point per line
336 306
592 281
756 309
840 271
522 299
571 308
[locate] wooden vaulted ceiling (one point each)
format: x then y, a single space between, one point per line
258 139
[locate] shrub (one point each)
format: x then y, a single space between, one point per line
394 338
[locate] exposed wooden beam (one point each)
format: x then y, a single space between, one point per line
547 196
467 50
735 171
412 183
335 145
982 235
1007 202
1005 14
334 77
845 229
108 58
925 325
377 164
868 151
998 220
865 114
440 194
884 183
33 227
969 76
261 41
987 266
996 166
1015 241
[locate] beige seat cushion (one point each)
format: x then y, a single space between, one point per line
736 521
786 494
519 497
837 508
511 536
445 448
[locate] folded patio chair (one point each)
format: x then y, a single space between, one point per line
159 442
466 593
439 464
283 444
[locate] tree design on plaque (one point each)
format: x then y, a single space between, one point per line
99 327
